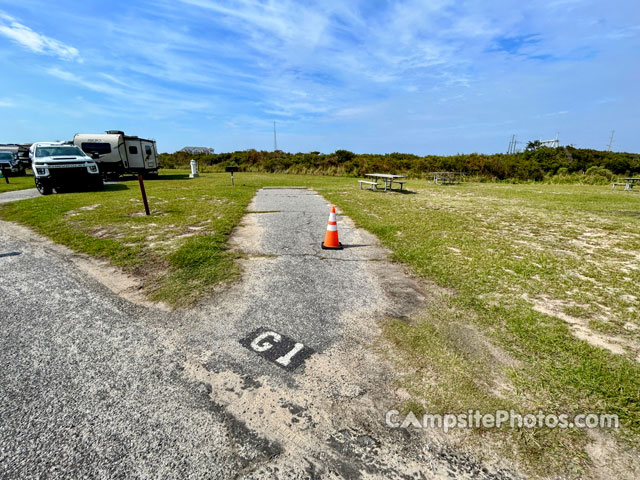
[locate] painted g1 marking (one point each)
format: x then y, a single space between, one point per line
277 348
260 345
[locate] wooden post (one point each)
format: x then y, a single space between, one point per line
231 169
144 195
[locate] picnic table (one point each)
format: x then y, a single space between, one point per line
443 178
388 179
629 183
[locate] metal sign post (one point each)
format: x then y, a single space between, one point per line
144 195
231 170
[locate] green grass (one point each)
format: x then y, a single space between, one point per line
16 183
513 268
179 251
511 253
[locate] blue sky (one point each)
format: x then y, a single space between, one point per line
425 77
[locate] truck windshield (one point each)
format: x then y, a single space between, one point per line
59 151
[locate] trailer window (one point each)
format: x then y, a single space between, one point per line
147 149
133 150
99 148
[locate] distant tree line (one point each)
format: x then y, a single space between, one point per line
541 163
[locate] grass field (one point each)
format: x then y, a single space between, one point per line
539 312
535 303
16 183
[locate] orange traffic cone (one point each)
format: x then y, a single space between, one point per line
331 238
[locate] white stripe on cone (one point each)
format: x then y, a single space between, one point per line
332 228
332 217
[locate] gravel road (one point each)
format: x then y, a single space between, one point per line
278 375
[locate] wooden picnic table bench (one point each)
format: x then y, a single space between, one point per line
374 185
446 178
628 184
388 179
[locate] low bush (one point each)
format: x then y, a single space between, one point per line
555 165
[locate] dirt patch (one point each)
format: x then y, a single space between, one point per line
610 459
88 208
102 232
580 328
116 280
247 236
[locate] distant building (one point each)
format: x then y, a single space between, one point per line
196 150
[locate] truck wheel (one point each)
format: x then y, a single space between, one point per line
43 187
98 184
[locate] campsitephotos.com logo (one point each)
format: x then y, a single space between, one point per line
500 419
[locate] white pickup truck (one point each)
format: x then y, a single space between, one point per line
57 165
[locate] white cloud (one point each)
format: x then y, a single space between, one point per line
354 111
36 42
6 102
282 20
157 103
77 80
554 114
623 33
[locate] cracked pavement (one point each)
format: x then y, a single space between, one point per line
94 385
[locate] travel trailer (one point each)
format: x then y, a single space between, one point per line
117 153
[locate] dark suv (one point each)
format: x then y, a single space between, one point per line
8 163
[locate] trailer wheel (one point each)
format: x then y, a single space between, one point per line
43 187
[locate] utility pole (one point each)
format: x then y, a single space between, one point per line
275 138
611 140
512 144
